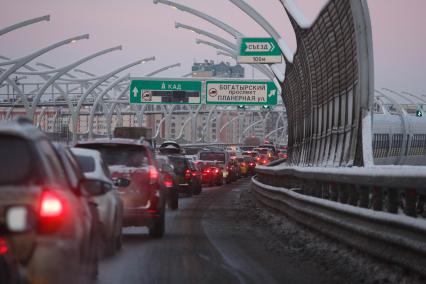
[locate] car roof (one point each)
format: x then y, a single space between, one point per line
21 128
124 141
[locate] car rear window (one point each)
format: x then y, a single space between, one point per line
179 163
17 160
86 163
120 154
210 156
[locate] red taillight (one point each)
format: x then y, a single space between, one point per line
265 161
153 175
168 180
187 175
3 246
50 206
216 170
257 158
251 164
243 164
207 171
51 212
194 173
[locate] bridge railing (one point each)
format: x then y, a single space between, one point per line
379 210
392 189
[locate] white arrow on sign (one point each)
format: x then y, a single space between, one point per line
272 93
135 92
259 46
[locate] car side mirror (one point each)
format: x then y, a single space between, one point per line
18 219
121 182
96 187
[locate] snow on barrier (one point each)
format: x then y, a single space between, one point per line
357 206
328 89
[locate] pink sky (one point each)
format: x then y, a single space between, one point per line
145 29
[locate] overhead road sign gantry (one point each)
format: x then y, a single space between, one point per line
148 90
248 92
258 50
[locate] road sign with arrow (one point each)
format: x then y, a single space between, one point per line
259 50
165 91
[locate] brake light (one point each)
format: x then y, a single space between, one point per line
207 171
50 205
51 212
216 170
168 180
257 158
153 175
187 174
3 246
243 164
265 161
251 164
194 173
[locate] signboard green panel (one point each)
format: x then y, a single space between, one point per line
259 50
241 92
174 91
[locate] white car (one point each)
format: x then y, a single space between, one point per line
102 189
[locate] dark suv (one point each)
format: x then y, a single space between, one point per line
189 179
144 198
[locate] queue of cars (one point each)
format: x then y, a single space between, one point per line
62 208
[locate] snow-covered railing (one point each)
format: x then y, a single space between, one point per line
379 210
380 188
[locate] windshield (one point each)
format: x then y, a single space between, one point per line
121 154
209 156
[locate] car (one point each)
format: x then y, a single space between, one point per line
132 165
243 165
170 180
189 181
9 266
211 172
251 162
196 175
234 168
74 174
101 187
33 183
221 158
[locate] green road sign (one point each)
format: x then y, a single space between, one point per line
259 50
165 91
241 93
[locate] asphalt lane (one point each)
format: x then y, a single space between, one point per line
203 244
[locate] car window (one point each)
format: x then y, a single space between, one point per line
70 169
210 156
121 154
18 160
179 163
52 159
86 163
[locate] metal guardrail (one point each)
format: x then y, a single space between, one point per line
381 188
377 209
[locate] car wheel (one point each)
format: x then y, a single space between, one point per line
157 230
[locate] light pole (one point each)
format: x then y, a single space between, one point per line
18 63
23 24
235 33
76 112
63 71
163 69
246 8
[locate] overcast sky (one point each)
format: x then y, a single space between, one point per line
145 29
